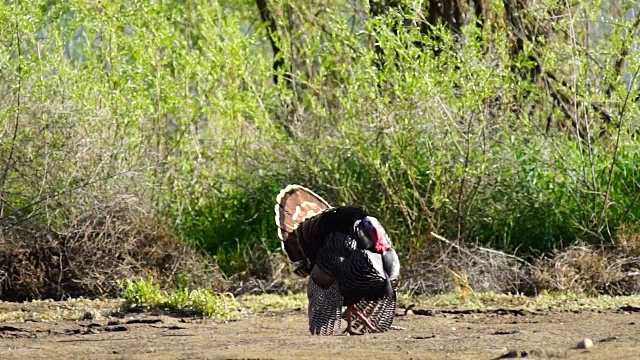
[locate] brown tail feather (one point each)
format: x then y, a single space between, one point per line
294 204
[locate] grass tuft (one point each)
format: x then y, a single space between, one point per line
146 293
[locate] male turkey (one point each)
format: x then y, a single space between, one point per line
348 257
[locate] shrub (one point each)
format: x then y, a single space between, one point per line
88 257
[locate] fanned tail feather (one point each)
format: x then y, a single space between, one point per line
295 204
325 307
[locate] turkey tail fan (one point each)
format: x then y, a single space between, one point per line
294 204
324 308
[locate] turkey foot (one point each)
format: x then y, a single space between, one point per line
350 313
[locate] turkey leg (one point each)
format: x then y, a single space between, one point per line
351 312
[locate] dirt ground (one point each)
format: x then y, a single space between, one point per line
428 334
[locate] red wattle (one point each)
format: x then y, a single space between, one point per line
380 247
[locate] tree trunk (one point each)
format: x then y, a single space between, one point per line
278 58
272 28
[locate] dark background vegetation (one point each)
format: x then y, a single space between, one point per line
141 136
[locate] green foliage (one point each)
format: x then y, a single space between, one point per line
141 292
234 226
203 302
172 104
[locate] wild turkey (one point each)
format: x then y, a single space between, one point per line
348 257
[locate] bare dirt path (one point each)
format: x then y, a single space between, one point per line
433 335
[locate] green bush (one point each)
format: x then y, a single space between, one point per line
236 226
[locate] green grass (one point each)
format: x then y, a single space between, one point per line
201 302
48 310
147 293
545 301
